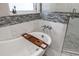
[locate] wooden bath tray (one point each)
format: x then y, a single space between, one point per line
35 40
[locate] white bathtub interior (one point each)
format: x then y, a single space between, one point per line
19 47
57 33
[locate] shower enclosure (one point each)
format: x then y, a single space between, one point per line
71 42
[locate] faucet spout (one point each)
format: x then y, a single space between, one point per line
74 11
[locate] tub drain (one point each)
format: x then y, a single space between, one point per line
37 49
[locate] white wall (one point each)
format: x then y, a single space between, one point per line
4 9
67 7
62 7
48 7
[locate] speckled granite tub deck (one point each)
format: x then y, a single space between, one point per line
15 19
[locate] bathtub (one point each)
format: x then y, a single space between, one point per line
9 34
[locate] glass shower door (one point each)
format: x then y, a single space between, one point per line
71 42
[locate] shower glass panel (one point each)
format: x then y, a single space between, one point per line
71 42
